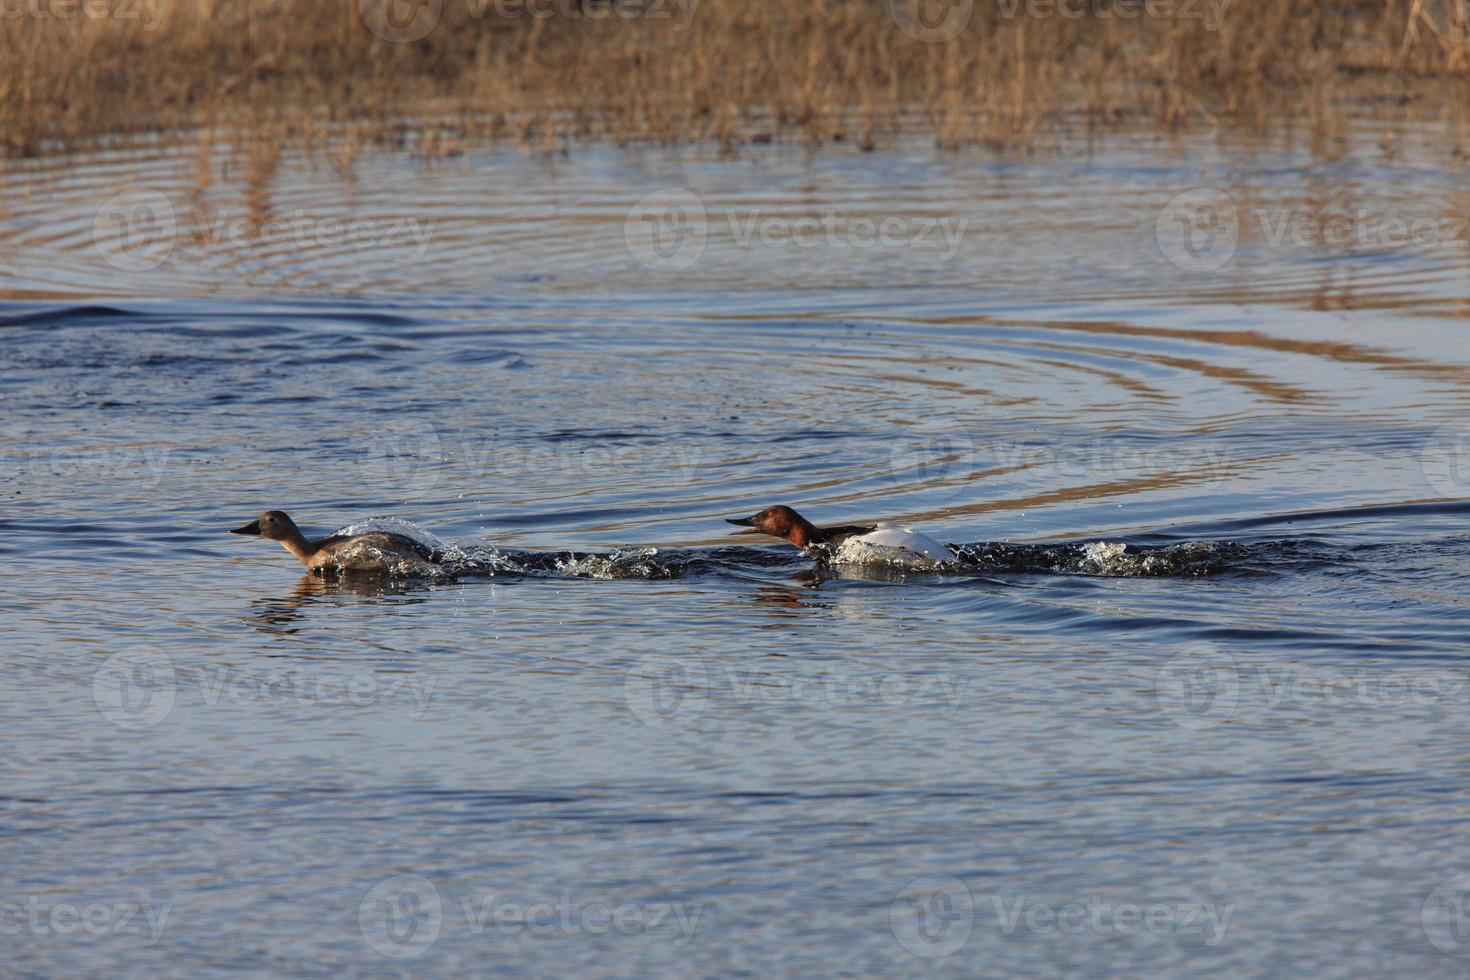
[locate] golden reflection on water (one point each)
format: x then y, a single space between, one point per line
1058 308
236 202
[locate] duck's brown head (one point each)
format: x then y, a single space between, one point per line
778 522
273 524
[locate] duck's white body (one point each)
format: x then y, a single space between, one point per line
847 544
890 544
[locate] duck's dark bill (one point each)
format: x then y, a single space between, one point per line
252 528
745 522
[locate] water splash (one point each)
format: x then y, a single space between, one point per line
363 558
395 525
1112 559
629 563
1109 558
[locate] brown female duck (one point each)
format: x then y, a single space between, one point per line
369 552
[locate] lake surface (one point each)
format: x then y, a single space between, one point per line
1196 698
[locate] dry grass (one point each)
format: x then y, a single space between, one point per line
731 70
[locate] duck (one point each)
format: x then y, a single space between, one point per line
856 544
367 553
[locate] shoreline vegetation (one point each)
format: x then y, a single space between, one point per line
438 76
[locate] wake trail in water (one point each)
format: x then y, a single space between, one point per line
1101 558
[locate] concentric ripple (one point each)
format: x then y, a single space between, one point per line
1204 645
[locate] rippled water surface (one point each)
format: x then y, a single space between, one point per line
1194 695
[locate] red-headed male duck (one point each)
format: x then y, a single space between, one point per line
369 552
856 544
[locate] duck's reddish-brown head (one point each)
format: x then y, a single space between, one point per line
778 522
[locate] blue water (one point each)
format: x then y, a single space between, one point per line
1196 700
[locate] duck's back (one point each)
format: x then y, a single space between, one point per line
890 544
371 551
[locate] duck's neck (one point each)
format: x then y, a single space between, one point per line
297 544
803 533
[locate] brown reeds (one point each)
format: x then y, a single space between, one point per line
549 72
